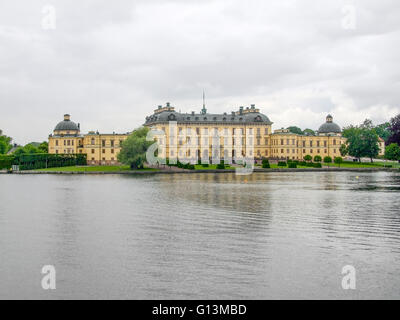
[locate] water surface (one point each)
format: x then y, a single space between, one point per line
198 236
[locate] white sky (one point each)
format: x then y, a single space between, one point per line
110 63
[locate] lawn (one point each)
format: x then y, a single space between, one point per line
94 169
211 167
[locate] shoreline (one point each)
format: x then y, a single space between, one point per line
256 170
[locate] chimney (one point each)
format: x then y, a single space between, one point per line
253 106
67 117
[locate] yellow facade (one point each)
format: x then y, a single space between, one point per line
207 137
293 146
99 148
191 136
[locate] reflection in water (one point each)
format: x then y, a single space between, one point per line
267 235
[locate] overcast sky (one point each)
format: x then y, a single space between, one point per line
110 63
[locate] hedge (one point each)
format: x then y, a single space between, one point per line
6 162
46 160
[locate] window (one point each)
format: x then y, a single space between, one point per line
281 141
65 142
197 130
92 150
112 150
104 151
266 141
258 131
318 144
112 143
311 142
56 151
304 144
92 141
258 142
334 141
287 141
250 130
293 142
282 151
103 143
325 143
56 142
266 130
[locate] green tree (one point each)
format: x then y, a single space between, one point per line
344 150
338 160
383 130
5 143
44 147
307 157
295 129
392 152
309 132
362 141
133 151
317 159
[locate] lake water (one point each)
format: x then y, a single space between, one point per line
199 236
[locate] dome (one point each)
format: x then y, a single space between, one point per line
67 124
329 126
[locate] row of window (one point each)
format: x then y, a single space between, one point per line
216 130
296 143
318 151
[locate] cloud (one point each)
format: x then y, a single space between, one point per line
110 64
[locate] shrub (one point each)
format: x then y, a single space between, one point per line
303 163
338 160
317 159
328 159
265 163
205 165
307 157
282 164
292 165
221 165
309 164
317 165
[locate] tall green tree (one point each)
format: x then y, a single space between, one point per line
294 129
362 141
44 147
392 152
383 131
133 151
5 143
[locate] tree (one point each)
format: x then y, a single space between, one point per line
44 147
362 141
392 152
383 131
133 151
5 143
394 130
317 159
327 159
307 157
344 150
338 160
294 129
309 132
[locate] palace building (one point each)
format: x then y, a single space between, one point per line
239 134
100 148
245 133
